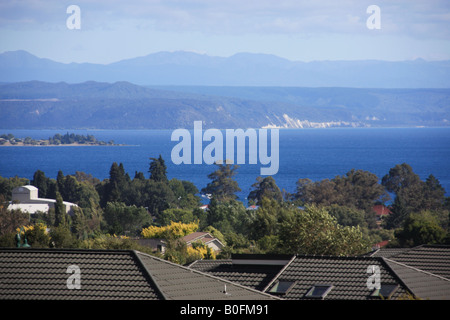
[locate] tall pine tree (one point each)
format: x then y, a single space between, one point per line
223 186
158 170
60 211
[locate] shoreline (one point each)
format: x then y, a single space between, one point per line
21 144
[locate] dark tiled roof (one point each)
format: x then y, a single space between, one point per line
386 252
347 275
430 258
252 276
108 274
181 283
424 285
42 274
424 269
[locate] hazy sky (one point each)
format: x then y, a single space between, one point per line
297 30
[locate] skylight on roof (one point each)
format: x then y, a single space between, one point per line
282 287
385 291
319 291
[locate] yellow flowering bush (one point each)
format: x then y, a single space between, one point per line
25 229
37 227
37 235
106 241
201 251
176 229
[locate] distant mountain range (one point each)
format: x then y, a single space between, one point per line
123 105
243 69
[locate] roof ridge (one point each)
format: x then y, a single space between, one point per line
370 254
66 250
279 273
435 245
404 250
207 275
192 263
327 256
149 274
384 261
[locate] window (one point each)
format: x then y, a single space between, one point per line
319 291
282 287
385 291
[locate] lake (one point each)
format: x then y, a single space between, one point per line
303 153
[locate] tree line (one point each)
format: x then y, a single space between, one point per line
331 216
57 139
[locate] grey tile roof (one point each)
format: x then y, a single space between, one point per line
252 276
423 285
42 274
386 252
180 283
424 269
430 258
347 275
108 274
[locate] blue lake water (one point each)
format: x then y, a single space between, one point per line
304 153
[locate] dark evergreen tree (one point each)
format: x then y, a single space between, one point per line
41 182
60 183
158 170
265 187
60 211
433 195
398 214
401 176
158 197
223 186
139 175
112 190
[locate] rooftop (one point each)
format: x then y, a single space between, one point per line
31 274
421 272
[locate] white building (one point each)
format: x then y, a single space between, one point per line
26 199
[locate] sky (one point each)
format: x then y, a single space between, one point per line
112 30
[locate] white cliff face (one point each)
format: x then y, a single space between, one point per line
292 123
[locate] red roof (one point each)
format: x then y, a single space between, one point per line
381 210
381 244
202 236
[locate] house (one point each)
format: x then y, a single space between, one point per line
254 270
26 199
309 277
422 272
158 245
381 212
380 244
80 274
424 269
77 274
205 238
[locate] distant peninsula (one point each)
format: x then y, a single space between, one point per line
57 140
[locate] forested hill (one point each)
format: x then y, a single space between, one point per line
123 105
